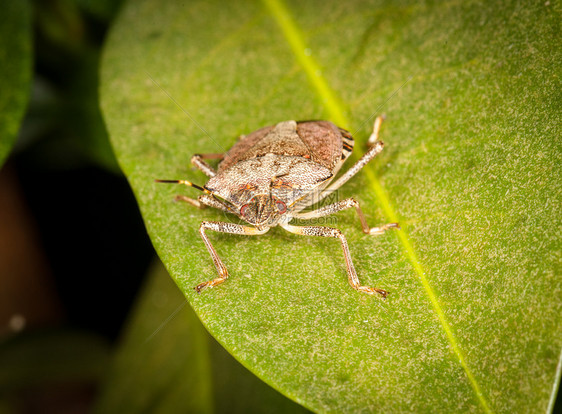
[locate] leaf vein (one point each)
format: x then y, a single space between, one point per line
335 108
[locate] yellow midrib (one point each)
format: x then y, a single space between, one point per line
330 100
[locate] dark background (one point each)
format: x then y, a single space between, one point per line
80 209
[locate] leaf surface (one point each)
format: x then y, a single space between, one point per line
471 171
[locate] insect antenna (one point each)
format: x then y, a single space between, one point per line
184 182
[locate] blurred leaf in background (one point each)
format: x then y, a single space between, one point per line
471 170
63 126
15 70
50 370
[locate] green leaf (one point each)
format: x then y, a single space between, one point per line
471 170
168 363
15 70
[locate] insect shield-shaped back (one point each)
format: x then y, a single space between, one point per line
274 169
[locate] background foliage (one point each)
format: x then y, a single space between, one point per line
15 70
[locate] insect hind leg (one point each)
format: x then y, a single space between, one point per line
336 233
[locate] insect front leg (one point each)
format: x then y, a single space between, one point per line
209 200
343 205
188 200
204 201
198 161
222 228
335 233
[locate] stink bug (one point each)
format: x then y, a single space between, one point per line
270 176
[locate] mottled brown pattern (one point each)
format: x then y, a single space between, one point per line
324 140
281 140
240 149
320 141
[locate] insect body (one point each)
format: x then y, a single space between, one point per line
270 176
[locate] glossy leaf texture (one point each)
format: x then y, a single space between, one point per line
471 171
15 70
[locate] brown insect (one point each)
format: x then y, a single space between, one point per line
270 176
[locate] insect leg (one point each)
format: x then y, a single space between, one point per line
342 205
222 228
197 160
376 147
376 128
208 200
203 201
335 233
193 202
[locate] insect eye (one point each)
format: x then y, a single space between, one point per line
244 210
281 207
